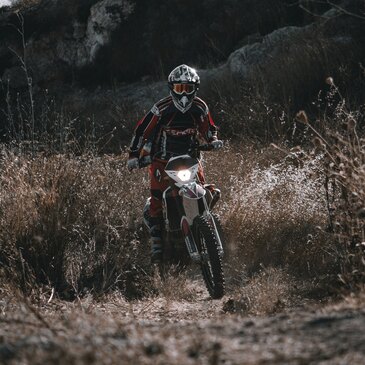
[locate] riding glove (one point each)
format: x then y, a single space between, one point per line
132 163
217 144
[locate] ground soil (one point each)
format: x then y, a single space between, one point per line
167 329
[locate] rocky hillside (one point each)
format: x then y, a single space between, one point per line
100 59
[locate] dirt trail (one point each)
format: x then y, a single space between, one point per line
165 330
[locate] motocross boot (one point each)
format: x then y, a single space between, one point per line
156 240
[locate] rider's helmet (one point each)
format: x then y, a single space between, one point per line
183 82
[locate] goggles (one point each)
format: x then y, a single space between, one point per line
183 88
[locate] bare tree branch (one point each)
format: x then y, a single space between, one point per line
312 13
344 11
341 9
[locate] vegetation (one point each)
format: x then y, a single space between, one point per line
72 242
73 221
70 214
342 153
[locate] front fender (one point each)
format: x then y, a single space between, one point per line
192 191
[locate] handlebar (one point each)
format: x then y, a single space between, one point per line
143 162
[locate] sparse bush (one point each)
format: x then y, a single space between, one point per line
71 222
342 153
271 211
253 117
74 222
267 292
175 285
259 102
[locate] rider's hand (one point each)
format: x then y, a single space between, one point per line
132 163
217 144
145 161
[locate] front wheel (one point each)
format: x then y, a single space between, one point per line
211 263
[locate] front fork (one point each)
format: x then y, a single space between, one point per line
188 209
189 240
190 212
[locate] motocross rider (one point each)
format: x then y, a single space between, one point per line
173 125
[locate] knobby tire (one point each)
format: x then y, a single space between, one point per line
212 268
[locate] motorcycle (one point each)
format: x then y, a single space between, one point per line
189 225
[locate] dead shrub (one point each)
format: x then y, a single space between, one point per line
262 103
244 112
175 285
71 222
267 292
74 222
341 150
270 212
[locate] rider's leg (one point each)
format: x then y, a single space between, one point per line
155 225
201 176
215 193
158 185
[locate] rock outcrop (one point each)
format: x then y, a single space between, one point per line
96 56
106 42
82 47
290 64
53 48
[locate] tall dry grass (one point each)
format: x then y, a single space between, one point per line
342 151
71 222
70 218
75 222
303 212
272 211
267 292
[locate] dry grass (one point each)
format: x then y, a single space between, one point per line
70 222
74 222
342 153
175 285
272 290
71 227
245 112
271 213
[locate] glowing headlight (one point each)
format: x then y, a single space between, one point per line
184 175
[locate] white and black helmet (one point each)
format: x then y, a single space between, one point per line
183 82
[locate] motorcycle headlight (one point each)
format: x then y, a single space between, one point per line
184 175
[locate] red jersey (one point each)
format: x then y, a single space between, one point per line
165 131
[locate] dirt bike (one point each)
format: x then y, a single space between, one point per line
190 229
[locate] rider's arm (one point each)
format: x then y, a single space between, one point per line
207 128
142 132
211 128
